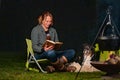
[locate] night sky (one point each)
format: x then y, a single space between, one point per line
76 21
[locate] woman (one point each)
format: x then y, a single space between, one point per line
42 32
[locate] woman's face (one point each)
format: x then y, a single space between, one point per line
47 21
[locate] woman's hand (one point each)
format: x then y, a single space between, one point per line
46 48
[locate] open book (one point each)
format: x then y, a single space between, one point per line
56 45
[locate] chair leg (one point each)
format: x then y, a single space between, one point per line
32 58
39 65
33 69
27 65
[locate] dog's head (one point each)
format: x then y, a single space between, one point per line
87 49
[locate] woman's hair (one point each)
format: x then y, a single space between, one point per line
43 15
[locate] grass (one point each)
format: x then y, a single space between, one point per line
12 67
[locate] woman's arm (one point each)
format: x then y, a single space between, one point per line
36 45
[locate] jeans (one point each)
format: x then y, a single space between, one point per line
53 55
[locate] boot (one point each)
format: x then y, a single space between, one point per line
59 64
63 60
50 69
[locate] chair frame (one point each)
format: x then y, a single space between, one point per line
31 58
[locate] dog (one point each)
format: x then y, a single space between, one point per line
85 65
88 54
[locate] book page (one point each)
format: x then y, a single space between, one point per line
56 45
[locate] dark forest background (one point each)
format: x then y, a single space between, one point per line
76 21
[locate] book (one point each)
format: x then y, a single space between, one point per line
56 45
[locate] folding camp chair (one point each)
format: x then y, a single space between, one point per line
32 59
